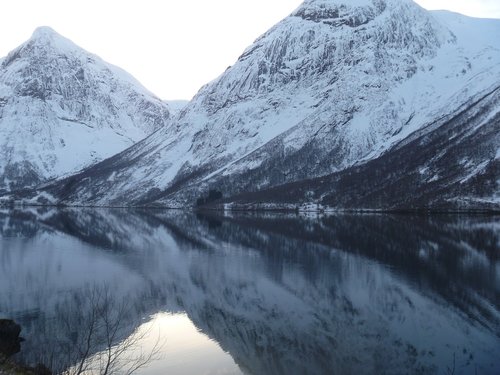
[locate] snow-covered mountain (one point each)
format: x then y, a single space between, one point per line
336 85
63 109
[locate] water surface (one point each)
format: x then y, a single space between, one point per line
254 294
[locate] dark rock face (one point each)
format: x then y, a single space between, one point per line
41 370
10 342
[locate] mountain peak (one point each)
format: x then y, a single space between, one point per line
47 36
43 43
352 3
343 12
44 32
338 2
342 4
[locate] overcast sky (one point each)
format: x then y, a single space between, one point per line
172 47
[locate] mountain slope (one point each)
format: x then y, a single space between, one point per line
63 109
333 86
456 166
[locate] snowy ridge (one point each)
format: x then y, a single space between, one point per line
63 109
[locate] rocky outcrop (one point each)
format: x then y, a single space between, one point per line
10 342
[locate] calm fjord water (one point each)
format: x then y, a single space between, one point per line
254 294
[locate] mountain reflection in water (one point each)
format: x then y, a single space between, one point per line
278 293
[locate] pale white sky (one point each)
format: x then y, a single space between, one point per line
172 47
